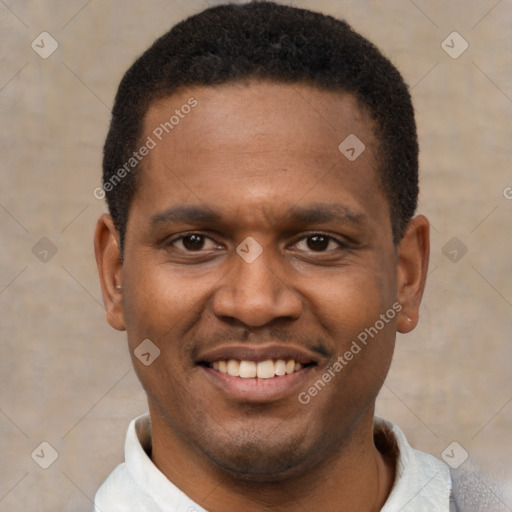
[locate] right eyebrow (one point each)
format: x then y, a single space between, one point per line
185 213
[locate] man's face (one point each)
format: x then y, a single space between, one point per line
260 161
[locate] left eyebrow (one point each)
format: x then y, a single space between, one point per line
325 213
185 213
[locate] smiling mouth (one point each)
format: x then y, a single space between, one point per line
267 369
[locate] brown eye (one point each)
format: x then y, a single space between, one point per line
193 242
318 242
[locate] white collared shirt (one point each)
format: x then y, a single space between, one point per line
422 482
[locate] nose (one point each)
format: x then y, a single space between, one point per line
256 293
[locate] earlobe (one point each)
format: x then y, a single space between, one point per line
110 270
412 265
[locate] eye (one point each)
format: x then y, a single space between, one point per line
193 242
319 242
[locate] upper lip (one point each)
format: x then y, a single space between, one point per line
256 353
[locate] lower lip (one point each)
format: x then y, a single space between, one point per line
259 390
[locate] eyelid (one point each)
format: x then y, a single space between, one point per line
170 241
343 243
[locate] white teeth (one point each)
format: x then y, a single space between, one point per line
266 369
223 367
247 369
234 368
262 370
280 367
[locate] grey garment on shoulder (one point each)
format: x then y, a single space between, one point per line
472 491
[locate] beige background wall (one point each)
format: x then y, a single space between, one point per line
66 377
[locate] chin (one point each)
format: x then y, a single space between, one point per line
260 458
256 466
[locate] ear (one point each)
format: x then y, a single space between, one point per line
110 270
412 265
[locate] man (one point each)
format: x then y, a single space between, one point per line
261 173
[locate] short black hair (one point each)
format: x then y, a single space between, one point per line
266 41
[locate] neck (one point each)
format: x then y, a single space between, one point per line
355 477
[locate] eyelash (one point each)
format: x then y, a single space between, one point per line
341 243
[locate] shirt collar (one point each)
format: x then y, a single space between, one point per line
422 482
144 472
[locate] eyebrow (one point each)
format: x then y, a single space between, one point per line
324 213
182 213
311 214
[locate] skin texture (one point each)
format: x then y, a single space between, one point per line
254 153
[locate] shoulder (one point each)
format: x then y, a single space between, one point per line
467 489
124 490
119 493
474 491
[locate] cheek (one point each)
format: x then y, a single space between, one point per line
356 310
162 303
350 299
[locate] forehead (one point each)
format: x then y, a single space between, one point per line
260 143
243 113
